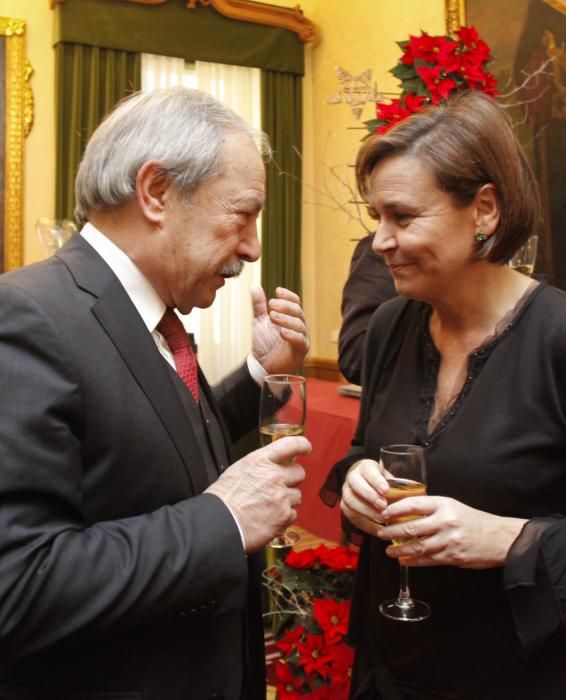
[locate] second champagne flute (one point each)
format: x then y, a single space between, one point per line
282 410
405 471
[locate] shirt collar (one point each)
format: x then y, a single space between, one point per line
147 301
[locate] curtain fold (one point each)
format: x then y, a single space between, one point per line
90 81
281 222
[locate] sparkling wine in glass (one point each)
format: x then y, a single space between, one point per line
525 258
405 471
282 410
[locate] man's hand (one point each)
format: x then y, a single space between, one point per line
261 491
280 334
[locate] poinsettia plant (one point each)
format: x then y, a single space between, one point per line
430 69
310 598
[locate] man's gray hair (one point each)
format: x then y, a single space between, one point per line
178 127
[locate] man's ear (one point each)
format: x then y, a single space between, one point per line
487 209
152 185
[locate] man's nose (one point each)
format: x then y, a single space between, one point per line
250 247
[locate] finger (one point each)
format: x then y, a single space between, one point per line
361 506
298 341
371 472
293 474
284 293
284 449
259 302
360 521
295 497
365 491
412 505
284 320
287 308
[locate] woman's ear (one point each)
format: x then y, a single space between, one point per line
487 209
152 185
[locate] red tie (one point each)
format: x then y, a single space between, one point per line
176 336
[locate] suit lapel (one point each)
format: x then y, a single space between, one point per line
118 316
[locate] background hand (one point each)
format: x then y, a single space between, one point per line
363 496
450 534
280 334
262 492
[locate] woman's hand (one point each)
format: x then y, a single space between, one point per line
449 533
363 498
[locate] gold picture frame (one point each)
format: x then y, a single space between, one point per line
17 116
455 15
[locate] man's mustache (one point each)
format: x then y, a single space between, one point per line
233 268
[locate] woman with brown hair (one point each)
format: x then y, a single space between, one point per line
469 363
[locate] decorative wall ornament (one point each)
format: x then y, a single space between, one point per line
355 90
18 119
291 18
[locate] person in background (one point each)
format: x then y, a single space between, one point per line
368 285
468 363
129 555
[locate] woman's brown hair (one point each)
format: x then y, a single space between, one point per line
467 142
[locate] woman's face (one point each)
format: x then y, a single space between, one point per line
427 242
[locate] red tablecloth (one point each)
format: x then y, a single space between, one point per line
330 425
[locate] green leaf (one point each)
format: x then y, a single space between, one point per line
403 71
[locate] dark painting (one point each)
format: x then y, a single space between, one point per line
523 36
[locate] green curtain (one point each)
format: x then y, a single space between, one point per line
171 29
282 110
90 81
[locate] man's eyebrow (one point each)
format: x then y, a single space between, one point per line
253 203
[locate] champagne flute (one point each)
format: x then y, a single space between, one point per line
525 258
282 410
54 233
405 471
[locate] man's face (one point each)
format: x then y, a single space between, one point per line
206 238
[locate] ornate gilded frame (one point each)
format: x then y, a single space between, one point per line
18 119
247 11
455 15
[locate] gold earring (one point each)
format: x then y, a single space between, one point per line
481 236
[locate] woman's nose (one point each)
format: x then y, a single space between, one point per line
383 239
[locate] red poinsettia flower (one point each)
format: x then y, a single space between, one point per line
429 48
332 617
301 560
313 655
288 641
288 684
470 71
325 692
443 64
489 85
413 103
336 558
472 44
341 660
437 82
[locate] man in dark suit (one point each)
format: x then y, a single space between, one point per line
128 548
369 284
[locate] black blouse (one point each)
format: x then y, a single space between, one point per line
501 448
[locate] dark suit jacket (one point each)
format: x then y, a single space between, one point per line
369 284
117 575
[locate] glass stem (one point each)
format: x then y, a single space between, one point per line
404 598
